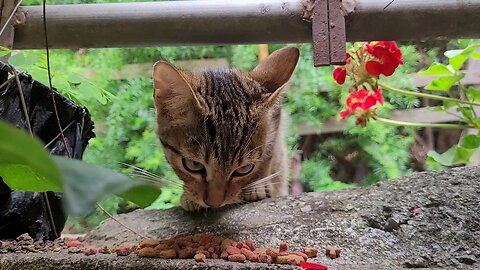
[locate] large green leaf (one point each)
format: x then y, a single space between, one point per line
85 184
24 164
467 51
444 83
458 154
436 69
457 62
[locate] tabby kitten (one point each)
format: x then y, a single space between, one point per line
222 130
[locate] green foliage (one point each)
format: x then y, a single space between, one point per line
458 154
461 153
24 163
316 175
26 166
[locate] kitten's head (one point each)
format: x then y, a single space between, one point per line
218 127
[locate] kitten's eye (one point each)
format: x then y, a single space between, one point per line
245 169
192 166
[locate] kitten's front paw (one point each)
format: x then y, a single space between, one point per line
188 205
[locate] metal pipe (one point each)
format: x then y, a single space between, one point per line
238 22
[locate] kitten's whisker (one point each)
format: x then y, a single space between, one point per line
159 181
262 180
152 178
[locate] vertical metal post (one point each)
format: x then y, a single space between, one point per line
6 38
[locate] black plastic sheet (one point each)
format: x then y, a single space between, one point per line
32 212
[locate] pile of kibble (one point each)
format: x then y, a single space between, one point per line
24 244
199 247
204 246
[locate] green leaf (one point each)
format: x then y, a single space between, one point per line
75 78
467 51
475 55
20 59
22 177
471 141
142 196
456 155
466 111
472 93
22 157
436 69
444 83
456 62
85 184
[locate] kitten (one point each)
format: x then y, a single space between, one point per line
222 130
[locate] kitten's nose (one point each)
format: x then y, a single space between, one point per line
213 203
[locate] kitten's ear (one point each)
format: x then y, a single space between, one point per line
276 70
171 89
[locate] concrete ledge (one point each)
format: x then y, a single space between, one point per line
375 227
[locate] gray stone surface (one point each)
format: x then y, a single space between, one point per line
375 226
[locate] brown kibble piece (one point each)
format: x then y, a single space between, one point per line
301 254
283 246
282 259
250 244
260 251
148 252
264 258
186 253
224 255
208 254
250 255
231 250
226 243
200 257
162 246
105 250
332 252
272 252
294 259
74 243
90 250
167 254
149 243
125 249
237 258
311 252
75 250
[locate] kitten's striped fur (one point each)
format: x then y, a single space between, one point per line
222 130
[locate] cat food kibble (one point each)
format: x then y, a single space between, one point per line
200 257
237 258
311 252
332 252
201 247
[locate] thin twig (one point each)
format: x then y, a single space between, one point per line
7 81
22 100
10 17
27 119
50 81
119 222
59 134
389 4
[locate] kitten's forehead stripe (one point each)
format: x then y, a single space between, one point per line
229 122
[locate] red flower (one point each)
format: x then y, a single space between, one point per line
340 73
388 54
361 103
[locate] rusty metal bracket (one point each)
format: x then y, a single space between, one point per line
328 33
